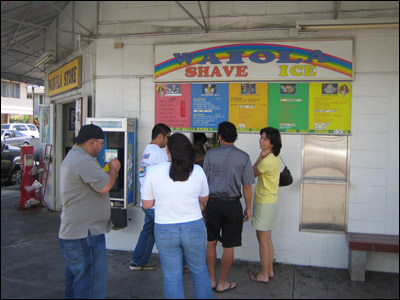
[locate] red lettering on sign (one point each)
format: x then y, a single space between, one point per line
228 70
190 72
241 71
216 72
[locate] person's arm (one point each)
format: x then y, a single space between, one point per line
255 169
203 199
247 194
148 203
147 197
115 165
260 157
202 202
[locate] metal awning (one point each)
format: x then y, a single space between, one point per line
23 36
23 28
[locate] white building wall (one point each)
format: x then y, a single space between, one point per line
124 87
21 105
373 204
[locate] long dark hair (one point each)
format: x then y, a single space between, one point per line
182 157
275 138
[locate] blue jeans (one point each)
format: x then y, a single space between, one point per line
188 239
85 268
145 243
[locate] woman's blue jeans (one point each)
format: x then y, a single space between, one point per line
85 268
188 239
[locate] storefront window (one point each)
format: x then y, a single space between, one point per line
9 89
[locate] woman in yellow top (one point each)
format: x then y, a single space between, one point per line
265 206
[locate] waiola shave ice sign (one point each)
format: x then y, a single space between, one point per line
296 60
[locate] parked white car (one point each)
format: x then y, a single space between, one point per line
26 128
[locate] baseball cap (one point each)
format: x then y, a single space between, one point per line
88 132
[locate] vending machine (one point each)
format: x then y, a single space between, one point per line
120 140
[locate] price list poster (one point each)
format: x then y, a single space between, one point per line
330 108
210 105
288 107
248 106
173 105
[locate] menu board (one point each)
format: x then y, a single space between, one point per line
330 108
288 107
209 105
248 106
300 108
173 105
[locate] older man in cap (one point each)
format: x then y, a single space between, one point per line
85 216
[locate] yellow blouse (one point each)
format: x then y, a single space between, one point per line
268 182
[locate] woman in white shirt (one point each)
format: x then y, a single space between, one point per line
178 189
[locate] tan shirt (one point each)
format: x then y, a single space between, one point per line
83 207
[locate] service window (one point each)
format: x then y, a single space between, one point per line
324 190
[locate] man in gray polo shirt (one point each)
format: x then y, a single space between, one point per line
85 216
228 169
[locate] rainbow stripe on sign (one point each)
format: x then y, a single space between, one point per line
335 64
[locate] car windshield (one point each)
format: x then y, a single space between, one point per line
18 133
20 127
4 126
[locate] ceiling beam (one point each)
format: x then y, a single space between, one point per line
25 79
22 61
73 19
18 62
23 43
206 24
19 26
39 26
337 8
191 16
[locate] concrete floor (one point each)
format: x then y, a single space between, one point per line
32 267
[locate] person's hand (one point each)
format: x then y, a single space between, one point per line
264 153
115 165
247 214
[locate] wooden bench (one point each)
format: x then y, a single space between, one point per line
360 243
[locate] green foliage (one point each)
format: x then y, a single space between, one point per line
19 119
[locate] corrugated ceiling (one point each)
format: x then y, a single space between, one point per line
23 27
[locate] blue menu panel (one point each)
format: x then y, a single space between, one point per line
210 105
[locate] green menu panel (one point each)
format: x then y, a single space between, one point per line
288 107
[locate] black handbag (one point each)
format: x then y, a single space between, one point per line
285 178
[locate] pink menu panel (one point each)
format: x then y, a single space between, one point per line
173 105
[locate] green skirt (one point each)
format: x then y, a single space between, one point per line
264 215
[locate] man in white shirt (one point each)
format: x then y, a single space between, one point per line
153 154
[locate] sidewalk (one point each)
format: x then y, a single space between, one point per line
32 267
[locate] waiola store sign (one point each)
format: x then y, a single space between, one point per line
259 61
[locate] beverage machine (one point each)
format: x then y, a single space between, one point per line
120 140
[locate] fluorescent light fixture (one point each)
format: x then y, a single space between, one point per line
45 58
347 24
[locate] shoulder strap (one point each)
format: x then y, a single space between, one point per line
282 160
